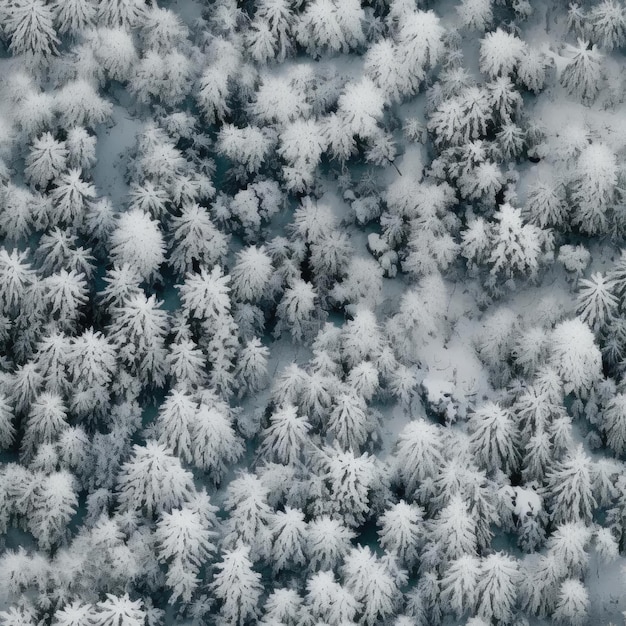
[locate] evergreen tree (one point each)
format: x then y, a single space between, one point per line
371 583
237 586
583 74
329 601
401 532
183 540
350 479
53 503
568 547
194 239
330 26
349 422
459 584
327 543
419 453
497 587
47 418
575 356
119 611
453 531
251 274
7 429
30 24
289 532
283 606
614 424
594 188
214 442
120 12
46 160
74 16
138 241
250 516
494 438
153 480
608 24
500 53
573 603
286 436
571 490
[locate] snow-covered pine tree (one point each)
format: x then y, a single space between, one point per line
70 198
46 160
494 438
371 583
286 436
119 611
250 516
63 296
251 274
251 368
402 531
73 16
497 587
327 543
570 489
594 188
613 423
349 422
284 606
289 532
7 429
47 419
153 480
328 26
516 246
419 453
186 364
30 25
575 356
162 29
52 504
583 74
248 146
296 310
138 329
205 296
573 603
500 53
459 584
115 50
453 531
350 480
237 586
607 24
124 13
194 239
420 46
138 241
596 303
475 14
184 542
214 442
79 104
74 614
330 601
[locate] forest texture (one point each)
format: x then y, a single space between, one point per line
312 312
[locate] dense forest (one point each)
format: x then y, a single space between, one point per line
312 312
